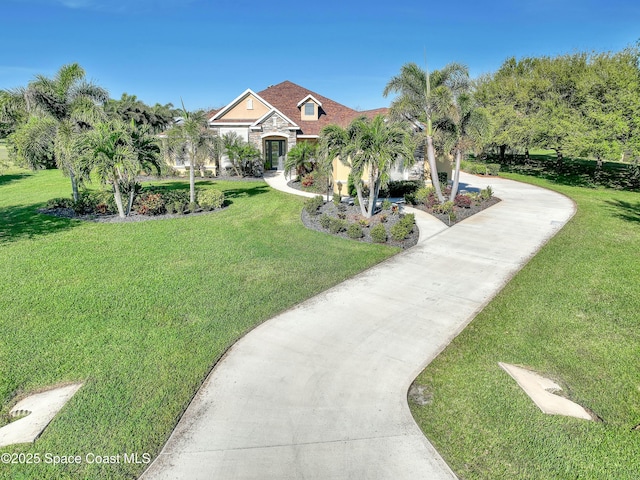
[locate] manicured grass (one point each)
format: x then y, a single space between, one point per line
140 312
571 314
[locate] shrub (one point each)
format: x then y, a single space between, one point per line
399 231
170 208
493 168
149 204
363 222
351 186
379 234
61 202
386 204
486 193
354 231
337 225
462 201
88 203
312 205
193 207
325 220
400 188
336 199
308 180
409 219
208 173
179 207
210 199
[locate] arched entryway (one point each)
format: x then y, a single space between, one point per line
275 149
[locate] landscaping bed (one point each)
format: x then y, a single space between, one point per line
347 221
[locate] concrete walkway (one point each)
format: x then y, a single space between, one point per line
320 391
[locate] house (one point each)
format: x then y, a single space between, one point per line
275 119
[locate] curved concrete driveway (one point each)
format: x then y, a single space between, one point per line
319 391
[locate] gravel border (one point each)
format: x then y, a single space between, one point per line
353 214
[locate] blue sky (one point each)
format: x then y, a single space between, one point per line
208 52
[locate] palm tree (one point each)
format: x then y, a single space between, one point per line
301 158
195 140
117 152
72 104
462 127
111 153
371 147
423 96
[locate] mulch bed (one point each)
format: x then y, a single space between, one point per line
353 214
461 213
133 216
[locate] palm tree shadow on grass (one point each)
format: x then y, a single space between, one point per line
246 192
23 221
4 179
625 210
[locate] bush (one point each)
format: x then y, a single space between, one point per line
379 234
149 204
486 193
409 219
462 201
336 199
400 188
312 205
399 231
354 231
337 225
179 207
386 204
193 207
351 186
325 220
61 202
493 168
96 202
308 180
443 177
210 199
170 208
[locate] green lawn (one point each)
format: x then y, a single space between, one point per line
140 312
572 314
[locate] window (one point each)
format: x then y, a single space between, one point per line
309 109
250 104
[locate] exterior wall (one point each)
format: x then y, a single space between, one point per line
274 127
312 117
240 111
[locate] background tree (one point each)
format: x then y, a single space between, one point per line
193 139
130 108
371 146
422 97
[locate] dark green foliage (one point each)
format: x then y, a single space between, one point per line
210 199
379 234
351 187
402 228
337 225
193 207
400 188
313 204
100 202
325 220
354 231
61 202
179 207
170 207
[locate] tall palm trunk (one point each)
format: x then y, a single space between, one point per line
431 157
118 198
74 186
456 175
192 178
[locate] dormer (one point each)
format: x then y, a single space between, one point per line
309 108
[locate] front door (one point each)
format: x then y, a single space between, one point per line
273 150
